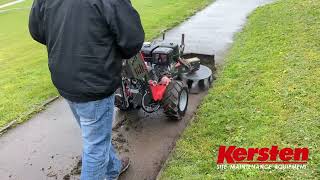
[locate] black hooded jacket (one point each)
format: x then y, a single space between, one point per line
86 42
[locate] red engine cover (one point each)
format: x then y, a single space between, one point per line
158 91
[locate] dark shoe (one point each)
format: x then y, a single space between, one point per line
125 163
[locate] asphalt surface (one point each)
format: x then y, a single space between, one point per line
48 146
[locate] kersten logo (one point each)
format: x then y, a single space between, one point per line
273 155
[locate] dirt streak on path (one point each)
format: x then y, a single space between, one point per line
48 146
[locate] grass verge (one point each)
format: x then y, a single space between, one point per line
266 94
5 1
24 77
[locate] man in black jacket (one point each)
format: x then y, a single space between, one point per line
86 41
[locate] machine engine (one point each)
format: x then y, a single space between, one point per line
161 59
153 79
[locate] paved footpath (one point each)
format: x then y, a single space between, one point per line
47 146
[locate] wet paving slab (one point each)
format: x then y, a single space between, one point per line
49 145
41 148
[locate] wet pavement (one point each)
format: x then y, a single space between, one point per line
48 146
44 146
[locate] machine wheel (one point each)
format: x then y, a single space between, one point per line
175 101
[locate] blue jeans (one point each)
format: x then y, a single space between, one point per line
99 159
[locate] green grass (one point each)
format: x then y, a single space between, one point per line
5 1
266 94
24 77
159 15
